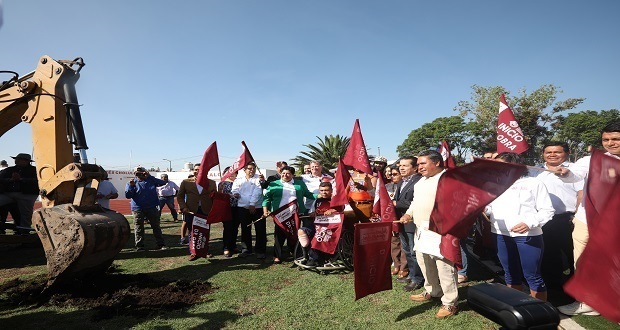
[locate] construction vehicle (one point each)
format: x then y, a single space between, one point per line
79 237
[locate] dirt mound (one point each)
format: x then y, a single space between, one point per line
109 295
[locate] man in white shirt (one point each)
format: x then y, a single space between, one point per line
557 262
166 194
247 189
439 273
313 180
105 192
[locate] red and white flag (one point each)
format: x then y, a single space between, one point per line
444 150
372 258
199 238
287 219
356 155
463 192
209 159
328 231
509 135
596 278
241 162
341 180
383 205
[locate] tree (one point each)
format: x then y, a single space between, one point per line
428 136
327 151
583 129
536 113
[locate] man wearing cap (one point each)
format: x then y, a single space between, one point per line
145 206
166 195
19 184
106 191
380 164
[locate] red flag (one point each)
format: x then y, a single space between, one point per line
241 162
199 238
463 192
383 205
287 219
450 249
356 155
371 258
444 150
596 275
509 135
341 180
220 211
209 159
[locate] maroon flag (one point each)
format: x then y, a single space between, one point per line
199 237
328 231
450 249
596 275
287 219
209 159
383 205
463 192
341 181
241 162
444 150
220 211
509 135
356 155
372 258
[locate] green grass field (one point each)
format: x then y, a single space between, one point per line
247 293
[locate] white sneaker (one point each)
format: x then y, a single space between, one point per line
577 308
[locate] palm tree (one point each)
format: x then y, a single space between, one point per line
327 151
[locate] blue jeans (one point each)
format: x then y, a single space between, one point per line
415 273
520 257
152 215
463 271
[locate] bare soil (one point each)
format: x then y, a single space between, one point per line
109 295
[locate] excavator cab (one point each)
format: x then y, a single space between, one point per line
79 236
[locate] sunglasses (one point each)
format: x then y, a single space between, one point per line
395 173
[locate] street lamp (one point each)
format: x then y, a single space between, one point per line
169 163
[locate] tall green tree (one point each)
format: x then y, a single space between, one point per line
536 113
327 151
583 129
429 136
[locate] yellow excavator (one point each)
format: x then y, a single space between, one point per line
79 236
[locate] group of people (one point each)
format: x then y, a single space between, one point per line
538 224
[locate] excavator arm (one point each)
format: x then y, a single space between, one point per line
79 237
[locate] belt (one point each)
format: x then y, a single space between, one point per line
166 196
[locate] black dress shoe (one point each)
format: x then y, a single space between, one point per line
412 286
405 280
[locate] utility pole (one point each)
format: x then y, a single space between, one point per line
169 163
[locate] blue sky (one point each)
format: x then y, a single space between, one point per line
164 79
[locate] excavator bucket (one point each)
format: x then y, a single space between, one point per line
79 243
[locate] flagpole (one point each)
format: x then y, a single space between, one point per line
258 169
257 220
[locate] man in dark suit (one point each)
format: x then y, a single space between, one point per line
265 183
402 201
195 199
